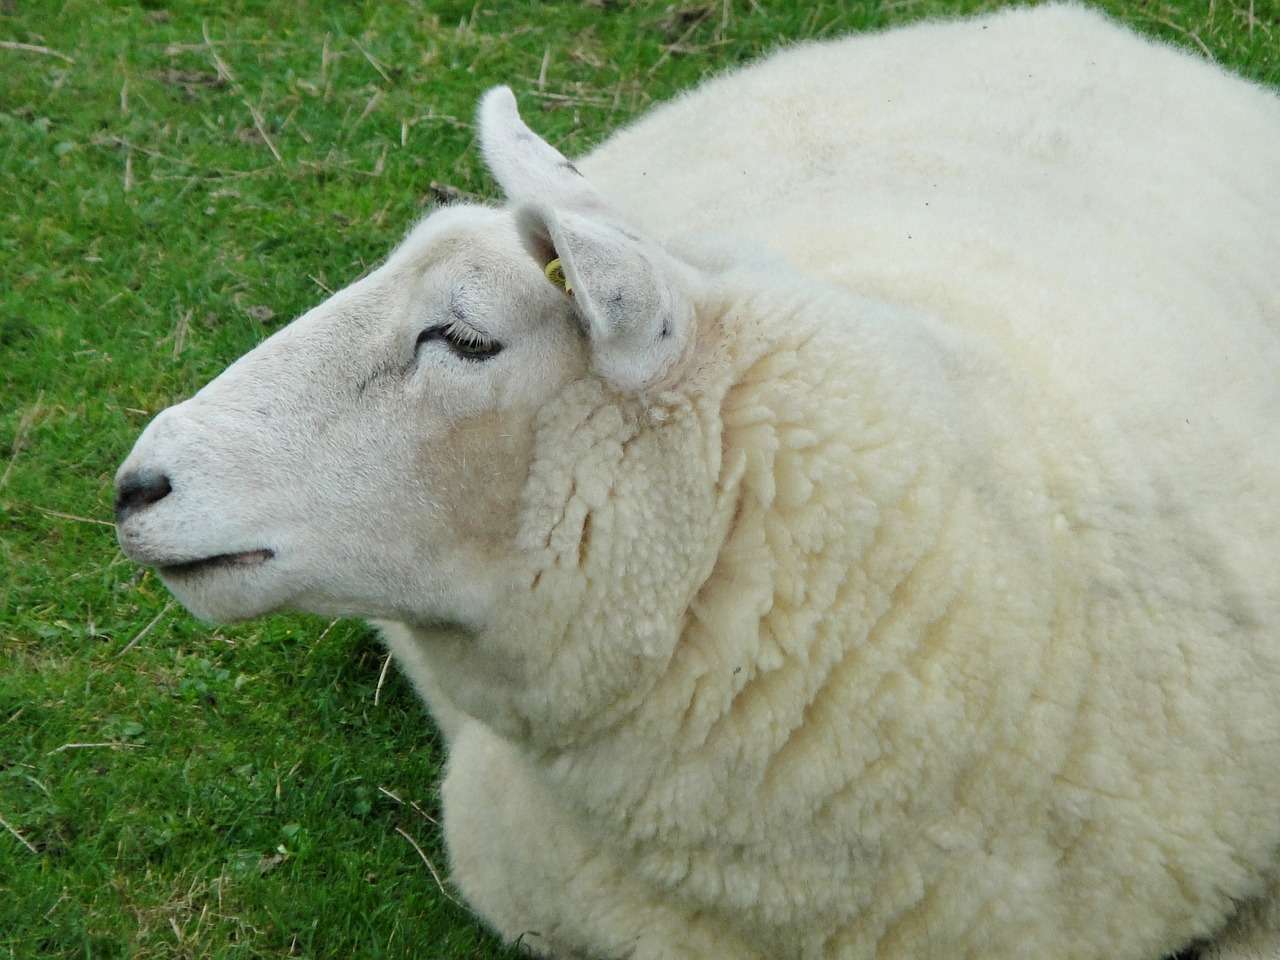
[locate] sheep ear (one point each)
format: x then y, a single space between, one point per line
525 166
636 301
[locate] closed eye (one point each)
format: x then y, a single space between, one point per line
464 342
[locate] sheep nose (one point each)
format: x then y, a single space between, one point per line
138 489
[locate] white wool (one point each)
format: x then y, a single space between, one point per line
867 551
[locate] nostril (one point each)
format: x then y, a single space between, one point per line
138 489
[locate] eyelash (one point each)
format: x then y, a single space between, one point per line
462 341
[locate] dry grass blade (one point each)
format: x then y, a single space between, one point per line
145 630
385 792
180 331
372 62
570 99
416 809
132 147
694 18
262 130
372 105
224 72
1195 37
78 519
20 436
382 676
226 76
34 48
435 874
100 745
21 839
542 71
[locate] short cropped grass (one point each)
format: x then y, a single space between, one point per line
179 179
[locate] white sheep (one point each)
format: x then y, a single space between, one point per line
843 524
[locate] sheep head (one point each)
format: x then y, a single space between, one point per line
368 460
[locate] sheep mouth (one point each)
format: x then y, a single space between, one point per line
235 561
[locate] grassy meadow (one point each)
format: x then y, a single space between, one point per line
179 179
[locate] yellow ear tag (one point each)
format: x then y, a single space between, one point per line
555 273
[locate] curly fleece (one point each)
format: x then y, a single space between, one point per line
944 622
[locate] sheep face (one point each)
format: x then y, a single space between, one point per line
368 460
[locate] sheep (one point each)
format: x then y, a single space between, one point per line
836 518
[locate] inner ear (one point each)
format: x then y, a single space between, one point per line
535 235
634 299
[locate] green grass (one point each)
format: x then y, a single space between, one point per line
179 180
